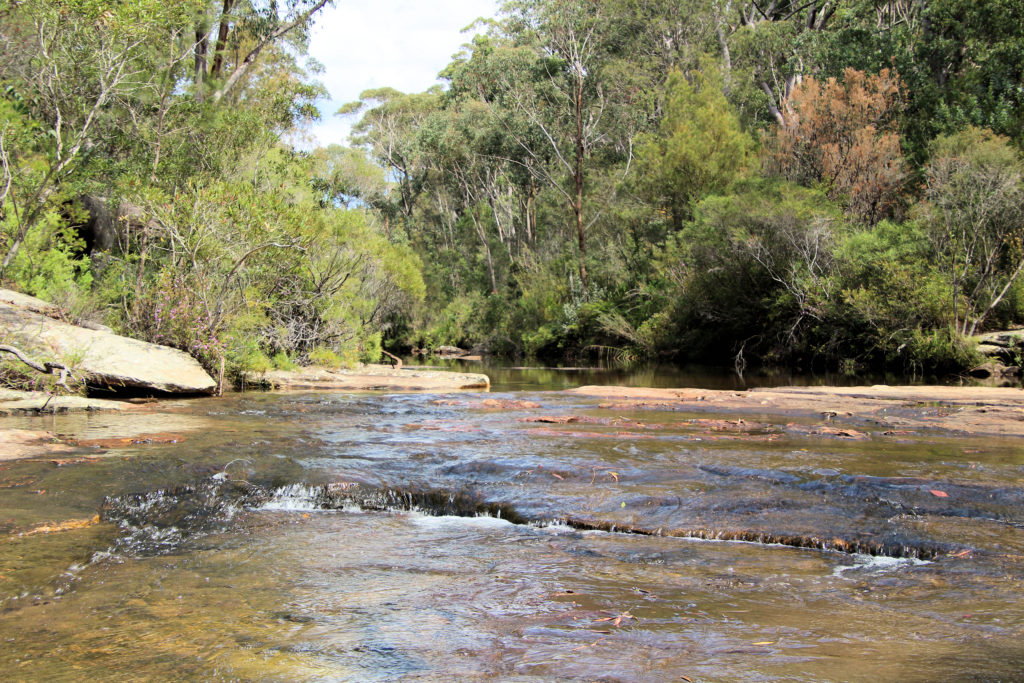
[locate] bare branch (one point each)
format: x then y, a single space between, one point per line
47 368
246 64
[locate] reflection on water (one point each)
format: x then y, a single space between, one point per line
312 537
511 377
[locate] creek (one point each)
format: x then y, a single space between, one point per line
522 535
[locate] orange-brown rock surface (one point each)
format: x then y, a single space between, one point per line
981 410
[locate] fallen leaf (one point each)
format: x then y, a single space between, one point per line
938 494
686 678
614 475
764 642
557 476
962 553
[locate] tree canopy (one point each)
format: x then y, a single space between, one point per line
834 183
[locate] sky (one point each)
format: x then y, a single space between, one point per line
401 44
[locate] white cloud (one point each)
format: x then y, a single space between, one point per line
402 44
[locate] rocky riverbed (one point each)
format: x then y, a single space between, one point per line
478 536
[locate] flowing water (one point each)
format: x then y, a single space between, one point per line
360 537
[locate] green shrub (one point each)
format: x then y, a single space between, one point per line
282 361
325 357
369 350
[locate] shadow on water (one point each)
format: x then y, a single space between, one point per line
414 537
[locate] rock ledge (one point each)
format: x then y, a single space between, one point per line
374 378
106 359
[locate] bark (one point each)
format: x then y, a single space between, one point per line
723 42
222 39
772 108
487 250
202 46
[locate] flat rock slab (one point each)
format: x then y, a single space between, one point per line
24 443
13 402
973 410
108 359
375 378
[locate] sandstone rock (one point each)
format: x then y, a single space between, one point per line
1002 338
450 352
14 402
107 227
996 374
1004 345
106 359
374 378
23 443
28 303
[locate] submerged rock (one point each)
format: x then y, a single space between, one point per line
24 443
107 360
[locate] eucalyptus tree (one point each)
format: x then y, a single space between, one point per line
70 67
244 29
698 149
770 43
387 131
551 78
962 62
973 205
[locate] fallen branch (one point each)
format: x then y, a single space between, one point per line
47 368
398 361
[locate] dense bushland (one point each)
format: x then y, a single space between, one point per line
820 184
828 184
148 183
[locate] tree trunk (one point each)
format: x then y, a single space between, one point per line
202 46
531 213
487 250
222 40
578 183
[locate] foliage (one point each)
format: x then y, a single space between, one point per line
325 357
281 361
581 187
840 135
172 312
974 205
699 148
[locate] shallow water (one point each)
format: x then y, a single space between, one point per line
416 537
